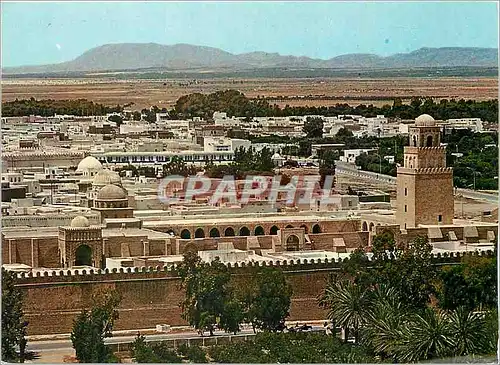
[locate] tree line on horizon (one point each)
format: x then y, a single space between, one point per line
235 103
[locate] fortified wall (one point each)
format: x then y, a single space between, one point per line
151 296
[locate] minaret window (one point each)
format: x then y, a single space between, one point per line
429 141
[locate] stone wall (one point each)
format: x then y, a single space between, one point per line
55 220
152 296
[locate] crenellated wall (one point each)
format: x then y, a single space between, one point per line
151 296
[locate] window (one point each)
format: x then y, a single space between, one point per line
406 208
440 218
349 203
406 191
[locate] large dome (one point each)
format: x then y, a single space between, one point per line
80 222
89 163
112 192
425 120
107 177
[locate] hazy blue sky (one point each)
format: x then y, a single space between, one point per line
39 33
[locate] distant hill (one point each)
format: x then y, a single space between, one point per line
138 56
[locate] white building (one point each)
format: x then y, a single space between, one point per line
217 144
350 155
474 124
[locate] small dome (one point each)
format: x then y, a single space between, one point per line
112 192
106 177
89 163
80 222
425 120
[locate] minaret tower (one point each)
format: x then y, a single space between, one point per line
424 183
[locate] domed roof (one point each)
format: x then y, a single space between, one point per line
89 163
106 177
425 120
80 222
112 192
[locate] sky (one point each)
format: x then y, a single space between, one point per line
36 33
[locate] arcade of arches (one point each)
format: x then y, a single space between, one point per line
249 230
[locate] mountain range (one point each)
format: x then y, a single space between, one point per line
182 57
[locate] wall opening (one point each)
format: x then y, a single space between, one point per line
199 233
274 230
185 234
292 243
259 231
214 232
244 231
429 141
229 232
83 256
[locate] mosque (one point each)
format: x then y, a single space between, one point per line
425 207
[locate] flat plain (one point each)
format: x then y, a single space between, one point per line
292 91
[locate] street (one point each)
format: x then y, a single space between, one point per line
342 168
63 345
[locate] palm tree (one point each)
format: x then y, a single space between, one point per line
348 305
469 332
427 335
383 331
491 324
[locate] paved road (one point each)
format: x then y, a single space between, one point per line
58 345
40 346
351 170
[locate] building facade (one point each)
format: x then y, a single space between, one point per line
424 183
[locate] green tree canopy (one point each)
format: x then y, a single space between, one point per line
92 326
269 299
177 166
207 293
313 127
13 324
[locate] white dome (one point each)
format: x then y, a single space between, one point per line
106 177
425 120
80 222
89 163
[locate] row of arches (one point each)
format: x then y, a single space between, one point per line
369 227
428 142
242 232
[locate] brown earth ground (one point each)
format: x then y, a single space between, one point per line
320 91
